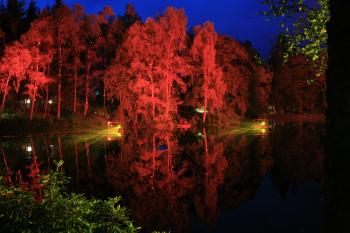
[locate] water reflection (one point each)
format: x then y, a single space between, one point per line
175 180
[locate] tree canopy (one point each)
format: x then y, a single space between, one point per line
304 28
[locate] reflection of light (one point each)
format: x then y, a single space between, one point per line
263 131
29 148
50 101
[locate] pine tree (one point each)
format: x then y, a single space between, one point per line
130 17
14 19
31 14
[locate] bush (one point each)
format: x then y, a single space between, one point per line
59 211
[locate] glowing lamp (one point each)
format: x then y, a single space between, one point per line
29 148
27 101
200 110
50 101
114 128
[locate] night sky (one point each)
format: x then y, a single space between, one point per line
237 18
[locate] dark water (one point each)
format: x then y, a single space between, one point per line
215 181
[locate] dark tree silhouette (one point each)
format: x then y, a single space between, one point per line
31 14
14 19
337 172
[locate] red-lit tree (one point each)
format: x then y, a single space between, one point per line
75 49
90 32
13 67
37 81
204 52
39 41
154 50
61 22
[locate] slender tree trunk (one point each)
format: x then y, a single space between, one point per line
59 83
5 93
47 91
33 104
154 152
75 84
46 99
205 106
104 85
8 170
60 156
104 93
86 107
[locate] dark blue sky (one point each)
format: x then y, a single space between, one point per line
237 18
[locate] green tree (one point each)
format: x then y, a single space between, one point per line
304 28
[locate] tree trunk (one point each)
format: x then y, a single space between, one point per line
104 93
33 104
337 172
5 94
205 106
46 99
86 107
60 155
47 91
75 84
59 83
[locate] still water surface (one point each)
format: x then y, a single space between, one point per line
222 181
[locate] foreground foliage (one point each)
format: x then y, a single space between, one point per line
54 210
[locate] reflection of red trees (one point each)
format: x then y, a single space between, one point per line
299 160
215 164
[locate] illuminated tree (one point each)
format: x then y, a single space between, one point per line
37 80
204 52
304 28
154 50
61 31
76 48
13 67
106 44
234 59
39 40
90 32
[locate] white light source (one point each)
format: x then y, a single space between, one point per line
50 101
27 101
29 148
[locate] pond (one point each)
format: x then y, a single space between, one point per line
227 180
